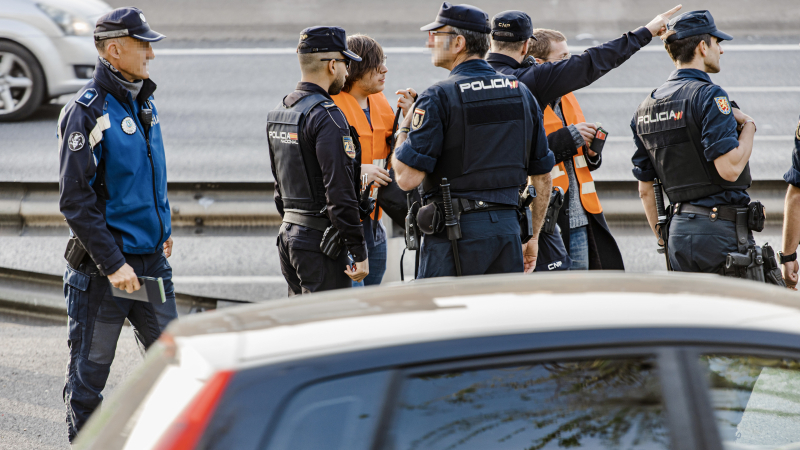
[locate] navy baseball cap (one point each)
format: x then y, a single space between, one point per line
693 23
128 21
512 26
467 17
325 39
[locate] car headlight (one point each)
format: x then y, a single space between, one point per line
69 23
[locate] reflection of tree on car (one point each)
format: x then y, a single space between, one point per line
600 403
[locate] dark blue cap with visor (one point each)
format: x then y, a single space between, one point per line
123 22
325 39
466 17
512 26
694 23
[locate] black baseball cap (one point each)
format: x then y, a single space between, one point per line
325 39
467 17
694 23
128 21
512 26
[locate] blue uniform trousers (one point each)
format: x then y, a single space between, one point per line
490 243
304 266
696 244
95 322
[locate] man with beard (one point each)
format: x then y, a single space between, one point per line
313 159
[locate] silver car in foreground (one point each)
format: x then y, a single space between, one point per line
590 360
46 51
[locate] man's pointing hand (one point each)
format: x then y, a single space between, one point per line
658 26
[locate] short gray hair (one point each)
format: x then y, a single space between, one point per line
476 43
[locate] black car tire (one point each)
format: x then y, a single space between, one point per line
24 66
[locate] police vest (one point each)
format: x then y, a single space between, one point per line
297 170
672 138
487 137
572 113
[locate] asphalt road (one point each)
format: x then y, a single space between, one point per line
213 108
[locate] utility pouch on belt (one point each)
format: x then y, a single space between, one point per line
553 208
75 252
331 244
412 229
756 216
430 218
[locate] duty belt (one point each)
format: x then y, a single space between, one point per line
316 223
723 212
470 206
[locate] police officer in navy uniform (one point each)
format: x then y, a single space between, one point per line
791 218
483 132
113 194
550 81
697 143
315 165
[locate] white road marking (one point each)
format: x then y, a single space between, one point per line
735 89
413 50
228 280
772 138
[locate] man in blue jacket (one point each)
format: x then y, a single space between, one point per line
113 194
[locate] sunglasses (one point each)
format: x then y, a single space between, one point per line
345 61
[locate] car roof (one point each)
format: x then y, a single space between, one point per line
489 305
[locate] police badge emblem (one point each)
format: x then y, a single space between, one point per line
723 105
128 125
419 116
349 146
76 141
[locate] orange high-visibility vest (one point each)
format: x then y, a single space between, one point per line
572 115
374 149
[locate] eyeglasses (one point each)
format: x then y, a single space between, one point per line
433 33
345 61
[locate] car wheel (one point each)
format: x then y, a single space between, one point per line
22 86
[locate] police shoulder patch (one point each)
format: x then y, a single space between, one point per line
87 97
349 146
723 105
76 141
419 117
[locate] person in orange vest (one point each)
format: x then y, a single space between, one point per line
584 230
366 108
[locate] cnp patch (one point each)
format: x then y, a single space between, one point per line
419 117
723 105
87 97
349 146
128 125
76 141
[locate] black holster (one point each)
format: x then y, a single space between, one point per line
752 262
331 244
75 252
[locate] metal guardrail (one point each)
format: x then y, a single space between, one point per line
44 293
251 205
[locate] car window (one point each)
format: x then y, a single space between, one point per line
338 415
756 400
598 404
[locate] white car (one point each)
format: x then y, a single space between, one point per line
502 362
46 51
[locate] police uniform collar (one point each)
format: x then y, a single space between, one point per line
682 74
473 65
306 86
109 81
500 58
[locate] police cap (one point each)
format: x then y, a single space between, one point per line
694 23
325 39
512 26
466 17
128 21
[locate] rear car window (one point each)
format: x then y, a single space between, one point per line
600 403
756 400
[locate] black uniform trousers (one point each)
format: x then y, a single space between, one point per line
696 244
304 266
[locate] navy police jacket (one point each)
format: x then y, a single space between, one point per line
792 176
113 174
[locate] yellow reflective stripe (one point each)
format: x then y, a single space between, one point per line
580 161
588 188
103 123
